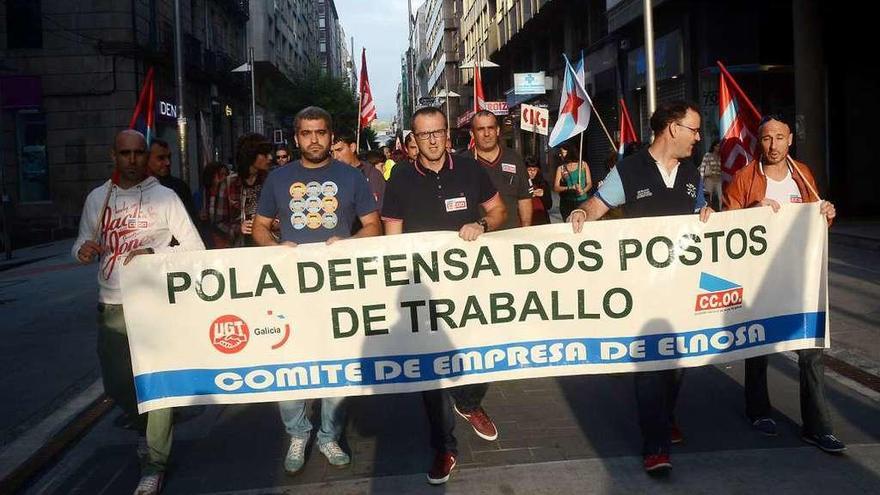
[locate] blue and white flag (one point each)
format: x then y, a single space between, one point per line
574 109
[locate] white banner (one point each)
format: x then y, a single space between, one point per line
422 311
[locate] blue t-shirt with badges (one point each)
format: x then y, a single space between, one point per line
315 204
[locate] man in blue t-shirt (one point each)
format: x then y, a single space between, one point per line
316 199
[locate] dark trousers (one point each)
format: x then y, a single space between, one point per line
441 419
814 409
656 394
469 397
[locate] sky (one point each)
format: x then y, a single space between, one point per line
381 28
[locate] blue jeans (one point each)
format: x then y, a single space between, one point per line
297 424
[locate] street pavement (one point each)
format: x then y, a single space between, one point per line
573 433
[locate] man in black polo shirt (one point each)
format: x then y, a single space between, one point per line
440 192
657 180
505 168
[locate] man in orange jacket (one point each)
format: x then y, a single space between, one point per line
774 180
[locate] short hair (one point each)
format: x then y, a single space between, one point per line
530 161
383 148
774 116
670 112
208 173
375 156
427 111
160 142
312 113
343 137
246 150
485 113
282 147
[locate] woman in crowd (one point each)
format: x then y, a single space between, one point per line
253 157
573 180
542 200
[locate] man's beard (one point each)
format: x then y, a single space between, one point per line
315 157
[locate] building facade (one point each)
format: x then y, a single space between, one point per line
70 80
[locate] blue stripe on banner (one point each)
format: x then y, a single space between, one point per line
478 360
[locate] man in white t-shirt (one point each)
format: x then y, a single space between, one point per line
776 180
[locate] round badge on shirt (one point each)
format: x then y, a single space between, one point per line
329 188
297 205
297 190
313 220
298 220
313 189
329 220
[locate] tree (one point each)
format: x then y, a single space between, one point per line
314 87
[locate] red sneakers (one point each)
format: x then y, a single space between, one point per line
657 463
481 423
443 465
675 434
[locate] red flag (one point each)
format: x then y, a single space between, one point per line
143 118
368 108
479 99
738 123
627 131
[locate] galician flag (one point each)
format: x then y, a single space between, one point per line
574 110
738 124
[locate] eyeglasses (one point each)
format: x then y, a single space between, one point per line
426 135
282 157
696 130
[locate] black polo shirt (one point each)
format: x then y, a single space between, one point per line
508 174
637 185
425 200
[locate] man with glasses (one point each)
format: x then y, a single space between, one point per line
777 180
657 180
282 156
317 199
440 192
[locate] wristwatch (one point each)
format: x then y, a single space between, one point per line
483 223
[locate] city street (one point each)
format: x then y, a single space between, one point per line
574 433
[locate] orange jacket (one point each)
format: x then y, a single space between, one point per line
749 185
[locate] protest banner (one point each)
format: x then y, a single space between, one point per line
421 311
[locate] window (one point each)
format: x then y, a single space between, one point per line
27 30
33 166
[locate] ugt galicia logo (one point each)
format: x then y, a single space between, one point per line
229 334
719 295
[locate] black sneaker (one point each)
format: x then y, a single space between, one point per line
766 426
828 443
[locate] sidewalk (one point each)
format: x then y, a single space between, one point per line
863 234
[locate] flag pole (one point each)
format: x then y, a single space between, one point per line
360 96
580 159
601 123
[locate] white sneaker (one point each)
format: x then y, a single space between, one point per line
150 484
296 455
334 454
